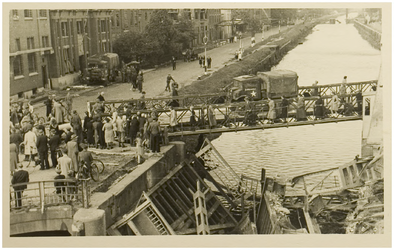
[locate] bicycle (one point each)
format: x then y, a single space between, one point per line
100 165
84 172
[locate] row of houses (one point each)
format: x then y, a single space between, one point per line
49 48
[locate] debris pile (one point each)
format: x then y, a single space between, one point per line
368 217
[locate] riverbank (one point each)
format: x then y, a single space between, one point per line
255 59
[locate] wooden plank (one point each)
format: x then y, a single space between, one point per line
163 208
133 227
178 204
309 223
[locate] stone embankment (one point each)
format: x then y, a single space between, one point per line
257 58
371 35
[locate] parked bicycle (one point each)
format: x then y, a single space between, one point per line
84 172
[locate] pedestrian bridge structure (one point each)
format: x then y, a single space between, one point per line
235 116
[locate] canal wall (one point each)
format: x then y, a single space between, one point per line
124 195
255 59
372 36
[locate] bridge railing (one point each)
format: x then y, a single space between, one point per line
163 103
234 113
328 89
40 194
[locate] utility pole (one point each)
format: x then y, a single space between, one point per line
205 40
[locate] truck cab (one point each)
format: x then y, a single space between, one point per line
273 84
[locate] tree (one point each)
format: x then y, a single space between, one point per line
161 29
185 31
133 45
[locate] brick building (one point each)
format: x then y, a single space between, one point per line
30 48
76 35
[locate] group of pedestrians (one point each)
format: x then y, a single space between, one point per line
205 63
134 76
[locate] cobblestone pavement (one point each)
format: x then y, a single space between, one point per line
155 81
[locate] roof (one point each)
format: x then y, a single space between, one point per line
279 73
246 78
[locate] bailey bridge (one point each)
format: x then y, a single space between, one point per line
232 116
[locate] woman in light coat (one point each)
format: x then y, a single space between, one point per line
173 118
211 117
334 104
301 113
30 144
271 110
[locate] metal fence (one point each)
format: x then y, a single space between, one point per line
40 194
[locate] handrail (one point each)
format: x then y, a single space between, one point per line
41 194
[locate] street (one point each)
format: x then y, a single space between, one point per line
155 80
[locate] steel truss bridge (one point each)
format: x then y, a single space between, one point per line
232 117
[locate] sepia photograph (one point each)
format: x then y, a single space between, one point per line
196 119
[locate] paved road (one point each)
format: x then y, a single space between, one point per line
155 81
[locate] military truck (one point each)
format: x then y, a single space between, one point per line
273 84
102 69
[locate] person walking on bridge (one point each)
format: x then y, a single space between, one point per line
335 102
315 91
271 111
342 89
284 104
319 108
300 106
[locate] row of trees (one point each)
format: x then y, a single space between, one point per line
161 39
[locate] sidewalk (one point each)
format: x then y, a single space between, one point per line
155 81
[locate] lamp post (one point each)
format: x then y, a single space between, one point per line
240 46
205 40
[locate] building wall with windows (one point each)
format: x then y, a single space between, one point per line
76 35
30 47
123 21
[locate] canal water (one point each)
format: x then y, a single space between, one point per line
327 54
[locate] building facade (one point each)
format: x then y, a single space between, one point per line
30 48
127 20
76 35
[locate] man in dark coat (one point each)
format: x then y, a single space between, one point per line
173 60
48 104
284 104
100 98
85 156
42 149
20 176
319 108
359 100
133 129
76 123
59 185
16 137
68 135
169 78
54 142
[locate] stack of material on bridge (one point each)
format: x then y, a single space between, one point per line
169 209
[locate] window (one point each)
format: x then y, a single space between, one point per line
15 14
104 25
136 19
67 63
196 14
18 44
104 46
30 43
64 28
43 13
18 69
146 16
79 27
45 41
28 14
31 57
117 20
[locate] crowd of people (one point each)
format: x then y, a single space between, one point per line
133 75
205 63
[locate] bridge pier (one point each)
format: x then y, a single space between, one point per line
89 222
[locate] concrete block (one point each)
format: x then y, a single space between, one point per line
93 222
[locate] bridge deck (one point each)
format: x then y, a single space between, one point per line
264 126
